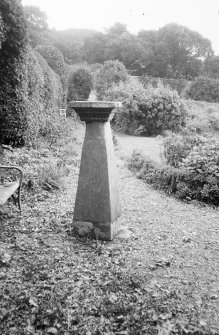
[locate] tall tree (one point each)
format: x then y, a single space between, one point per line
94 48
180 52
37 25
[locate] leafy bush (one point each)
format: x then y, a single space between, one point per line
196 178
13 39
110 73
148 112
206 89
178 146
203 163
80 83
203 116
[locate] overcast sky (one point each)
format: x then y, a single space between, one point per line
198 15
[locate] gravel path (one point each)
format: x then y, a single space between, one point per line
174 245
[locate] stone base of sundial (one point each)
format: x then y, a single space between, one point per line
97 205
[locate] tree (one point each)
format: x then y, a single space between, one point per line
37 25
94 48
211 67
116 30
179 52
111 72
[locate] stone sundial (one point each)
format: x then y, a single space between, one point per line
97 204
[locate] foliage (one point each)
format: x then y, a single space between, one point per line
112 72
174 51
178 146
12 53
203 117
56 61
43 97
197 177
70 42
151 111
80 83
126 48
178 85
36 24
93 49
204 89
211 67
129 93
2 31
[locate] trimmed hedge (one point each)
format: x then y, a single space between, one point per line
204 89
12 57
43 90
56 61
80 83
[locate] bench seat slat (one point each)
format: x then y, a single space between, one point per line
7 190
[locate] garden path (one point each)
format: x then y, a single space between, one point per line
160 274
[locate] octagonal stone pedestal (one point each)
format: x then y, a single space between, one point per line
97 204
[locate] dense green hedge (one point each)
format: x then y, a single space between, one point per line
43 96
204 89
12 55
56 62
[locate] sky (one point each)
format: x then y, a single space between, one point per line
198 15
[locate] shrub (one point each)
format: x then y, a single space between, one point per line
162 110
206 89
196 178
110 73
178 146
12 50
80 83
203 116
150 112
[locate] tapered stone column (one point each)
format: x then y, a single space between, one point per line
97 204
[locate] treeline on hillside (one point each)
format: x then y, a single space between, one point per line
172 51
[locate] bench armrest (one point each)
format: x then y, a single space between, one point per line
7 167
